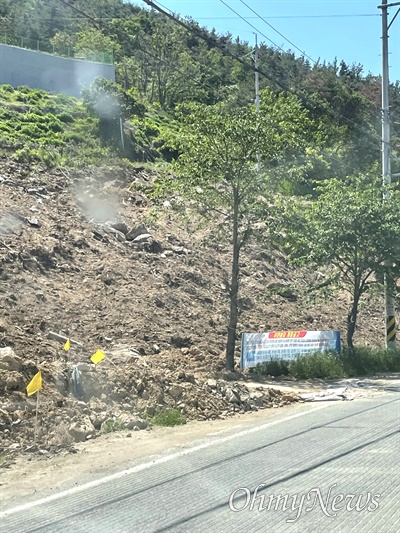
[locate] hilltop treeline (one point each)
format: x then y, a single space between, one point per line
161 65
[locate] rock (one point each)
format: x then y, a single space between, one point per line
180 250
145 395
152 246
288 398
29 367
34 222
118 234
120 226
99 420
139 387
135 232
11 381
9 360
80 431
232 396
176 391
257 397
136 423
212 383
142 237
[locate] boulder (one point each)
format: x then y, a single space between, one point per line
135 232
9 360
80 431
176 392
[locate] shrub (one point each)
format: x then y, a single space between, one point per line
363 360
360 361
112 424
317 365
33 130
65 117
168 417
55 126
272 368
25 155
6 88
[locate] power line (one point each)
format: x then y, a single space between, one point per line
95 22
278 32
212 42
257 30
305 100
215 44
346 15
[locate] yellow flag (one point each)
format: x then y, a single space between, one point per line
35 384
67 345
97 357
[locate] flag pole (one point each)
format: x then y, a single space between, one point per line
36 418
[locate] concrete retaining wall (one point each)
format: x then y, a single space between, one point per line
51 73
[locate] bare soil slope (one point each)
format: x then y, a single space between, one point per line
78 258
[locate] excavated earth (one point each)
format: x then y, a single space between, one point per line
81 259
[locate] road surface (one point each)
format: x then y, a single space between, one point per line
327 467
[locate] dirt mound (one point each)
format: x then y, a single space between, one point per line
79 257
80 400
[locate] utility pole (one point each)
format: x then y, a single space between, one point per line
386 171
257 100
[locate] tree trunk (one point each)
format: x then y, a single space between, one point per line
234 289
351 326
352 317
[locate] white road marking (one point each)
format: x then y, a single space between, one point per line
161 460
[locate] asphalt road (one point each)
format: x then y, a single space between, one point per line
335 467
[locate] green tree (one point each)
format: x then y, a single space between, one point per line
217 171
351 230
92 43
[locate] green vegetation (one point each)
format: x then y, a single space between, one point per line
53 129
350 230
217 170
112 424
359 361
168 417
367 361
181 102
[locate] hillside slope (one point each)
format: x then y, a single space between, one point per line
157 306
65 268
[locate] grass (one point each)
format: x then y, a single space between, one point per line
168 417
54 129
61 131
112 424
362 361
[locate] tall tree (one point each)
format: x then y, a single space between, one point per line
217 171
350 230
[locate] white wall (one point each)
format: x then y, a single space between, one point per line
45 71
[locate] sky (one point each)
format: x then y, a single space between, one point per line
321 29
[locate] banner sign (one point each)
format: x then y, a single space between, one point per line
286 345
